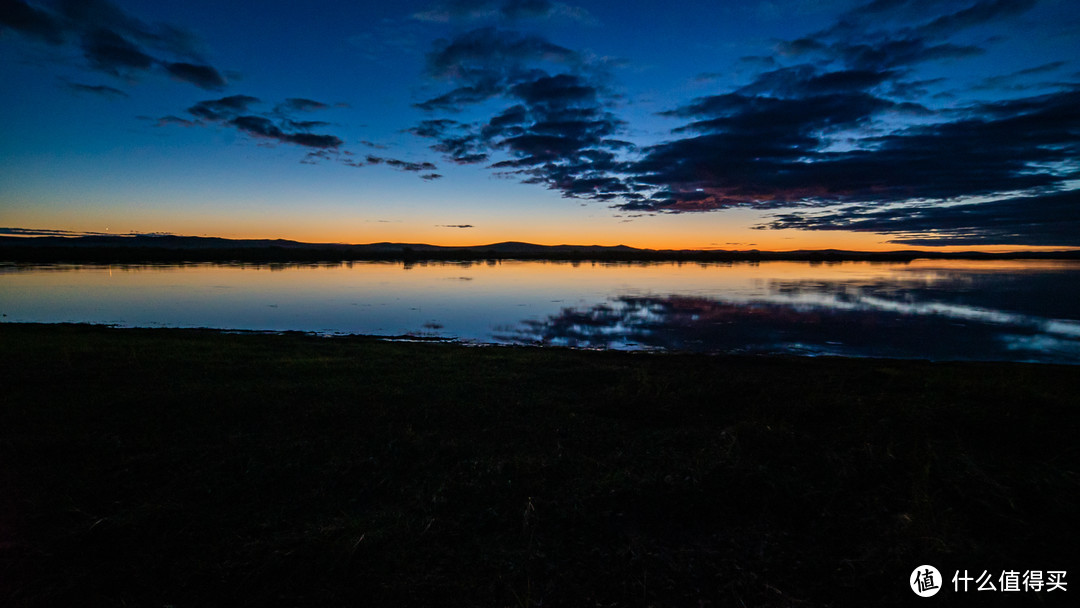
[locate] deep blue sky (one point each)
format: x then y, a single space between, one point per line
776 125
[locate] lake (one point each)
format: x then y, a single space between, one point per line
1020 310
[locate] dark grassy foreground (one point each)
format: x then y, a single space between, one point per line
192 468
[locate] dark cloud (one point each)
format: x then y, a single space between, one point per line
490 50
976 14
49 232
402 165
175 120
807 80
1051 219
555 130
259 126
485 62
434 128
96 89
913 89
431 176
880 52
768 153
454 226
558 135
109 52
807 136
92 15
751 148
202 76
299 104
409 166
935 17
461 96
1039 69
31 21
509 121
1018 80
112 41
224 108
306 125
554 92
462 150
766 62
793 121
282 117
804 135
859 40
235 111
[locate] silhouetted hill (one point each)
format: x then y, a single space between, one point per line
173 248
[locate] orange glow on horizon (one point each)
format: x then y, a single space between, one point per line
762 240
731 231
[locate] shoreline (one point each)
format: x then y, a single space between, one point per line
476 343
162 249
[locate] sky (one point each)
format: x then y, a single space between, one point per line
773 125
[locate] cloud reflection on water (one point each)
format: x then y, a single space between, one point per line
922 319
942 309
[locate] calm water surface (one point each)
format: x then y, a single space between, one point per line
1014 310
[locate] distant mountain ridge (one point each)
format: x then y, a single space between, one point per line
167 247
170 241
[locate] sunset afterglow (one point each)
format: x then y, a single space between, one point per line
761 125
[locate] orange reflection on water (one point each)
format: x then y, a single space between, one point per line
533 276
1007 309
